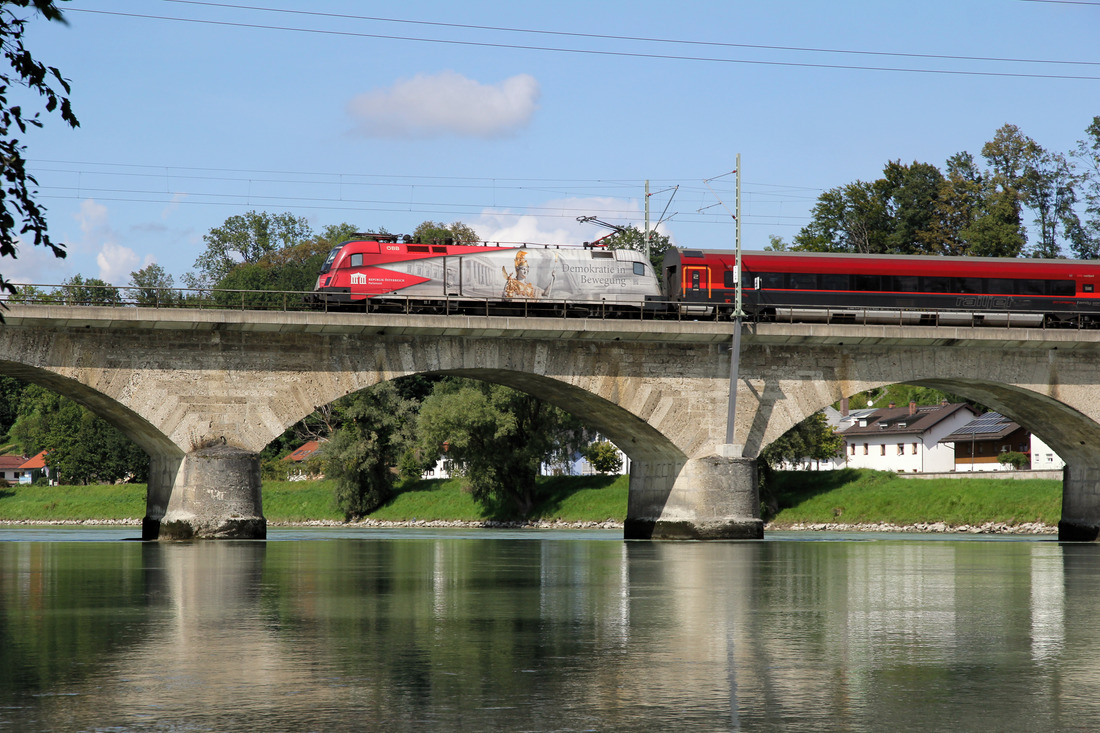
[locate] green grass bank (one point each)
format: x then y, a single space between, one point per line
848 496
569 499
852 496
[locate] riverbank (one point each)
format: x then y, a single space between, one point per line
833 501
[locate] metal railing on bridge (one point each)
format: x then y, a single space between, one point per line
655 310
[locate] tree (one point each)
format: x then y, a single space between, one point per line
975 216
245 239
437 231
91 291
1086 244
634 238
151 285
82 448
603 456
813 439
375 431
498 436
20 214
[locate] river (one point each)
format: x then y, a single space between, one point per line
494 630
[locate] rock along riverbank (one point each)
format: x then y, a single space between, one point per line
1001 528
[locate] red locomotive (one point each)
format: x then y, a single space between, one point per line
414 276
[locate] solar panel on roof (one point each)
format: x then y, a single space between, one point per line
990 422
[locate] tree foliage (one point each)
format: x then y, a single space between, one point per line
634 238
603 456
375 431
151 285
20 214
812 439
498 436
82 448
967 211
437 231
78 290
245 239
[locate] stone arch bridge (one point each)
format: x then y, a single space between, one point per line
204 391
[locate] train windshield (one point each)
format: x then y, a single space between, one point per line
331 257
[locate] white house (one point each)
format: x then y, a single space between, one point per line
905 439
1043 458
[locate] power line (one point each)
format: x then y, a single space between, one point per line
597 52
643 39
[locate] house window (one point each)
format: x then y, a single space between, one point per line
901 449
864 449
853 447
882 449
914 449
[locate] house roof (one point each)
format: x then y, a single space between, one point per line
899 421
39 461
307 450
12 462
990 426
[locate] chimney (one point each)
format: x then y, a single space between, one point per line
844 407
943 402
891 406
912 407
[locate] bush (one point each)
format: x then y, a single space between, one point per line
1015 459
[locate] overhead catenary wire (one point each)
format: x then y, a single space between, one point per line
619 53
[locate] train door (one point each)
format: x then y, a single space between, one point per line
696 282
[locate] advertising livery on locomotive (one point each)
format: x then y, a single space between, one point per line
386 268
788 286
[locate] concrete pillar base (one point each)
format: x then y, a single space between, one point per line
215 495
1080 501
1069 531
733 529
711 498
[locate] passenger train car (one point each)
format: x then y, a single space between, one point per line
810 286
409 275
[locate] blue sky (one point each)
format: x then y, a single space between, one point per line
517 118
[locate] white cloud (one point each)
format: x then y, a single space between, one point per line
116 263
559 224
34 265
446 103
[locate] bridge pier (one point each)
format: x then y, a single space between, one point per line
711 498
210 493
1080 520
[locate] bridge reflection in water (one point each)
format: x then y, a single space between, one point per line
419 631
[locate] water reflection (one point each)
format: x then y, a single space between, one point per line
413 632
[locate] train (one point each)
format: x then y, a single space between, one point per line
384 272
389 273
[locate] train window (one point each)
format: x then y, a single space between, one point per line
866 282
1000 286
439 250
639 268
968 284
936 284
727 279
1031 287
773 280
698 254
357 260
833 281
418 248
331 257
905 283
803 281
1062 288
603 255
